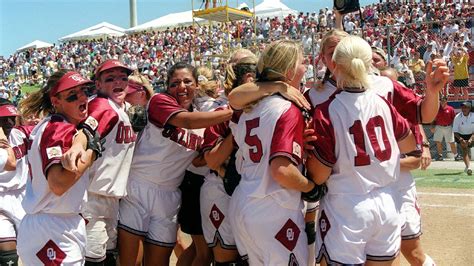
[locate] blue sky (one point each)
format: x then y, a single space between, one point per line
23 21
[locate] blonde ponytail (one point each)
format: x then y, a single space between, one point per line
353 58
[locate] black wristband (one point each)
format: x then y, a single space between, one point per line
315 194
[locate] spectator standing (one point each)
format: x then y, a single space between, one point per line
459 59
463 127
405 74
417 66
443 128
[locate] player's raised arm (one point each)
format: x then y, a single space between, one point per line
247 93
437 75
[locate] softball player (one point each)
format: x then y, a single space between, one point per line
266 209
109 174
166 147
54 195
410 209
217 147
359 215
12 183
189 215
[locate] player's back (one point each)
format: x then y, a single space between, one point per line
254 134
358 133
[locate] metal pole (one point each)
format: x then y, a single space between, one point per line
313 51
133 13
388 45
254 26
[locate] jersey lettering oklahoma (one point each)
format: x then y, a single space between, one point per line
51 138
163 151
273 128
357 136
109 173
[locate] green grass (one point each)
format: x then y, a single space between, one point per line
443 178
27 89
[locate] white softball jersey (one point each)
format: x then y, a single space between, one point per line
163 151
357 137
273 128
109 173
14 180
51 138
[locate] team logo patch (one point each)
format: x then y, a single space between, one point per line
288 235
92 122
77 77
51 254
296 149
11 109
324 225
216 216
293 261
54 152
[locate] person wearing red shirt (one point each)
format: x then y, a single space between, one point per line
444 128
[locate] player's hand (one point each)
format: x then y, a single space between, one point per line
436 79
308 137
4 144
293 95
425 158
70 159
432 130
2 134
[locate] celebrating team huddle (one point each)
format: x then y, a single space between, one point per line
241 171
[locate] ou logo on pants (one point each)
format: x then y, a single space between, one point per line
290 234
215 215
51 253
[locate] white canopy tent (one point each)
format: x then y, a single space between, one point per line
172 20
99 31
273 8
268 8
36 45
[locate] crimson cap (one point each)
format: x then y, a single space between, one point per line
112 63
70 80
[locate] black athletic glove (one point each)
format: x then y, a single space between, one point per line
138 117
310 229
315 194
231 177
94 142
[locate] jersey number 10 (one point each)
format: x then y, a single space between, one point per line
362 158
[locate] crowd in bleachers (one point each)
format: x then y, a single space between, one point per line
404 31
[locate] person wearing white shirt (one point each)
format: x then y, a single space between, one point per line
463 127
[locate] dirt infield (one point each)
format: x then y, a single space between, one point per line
448 228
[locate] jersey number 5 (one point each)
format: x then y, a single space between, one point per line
255 151
356 129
